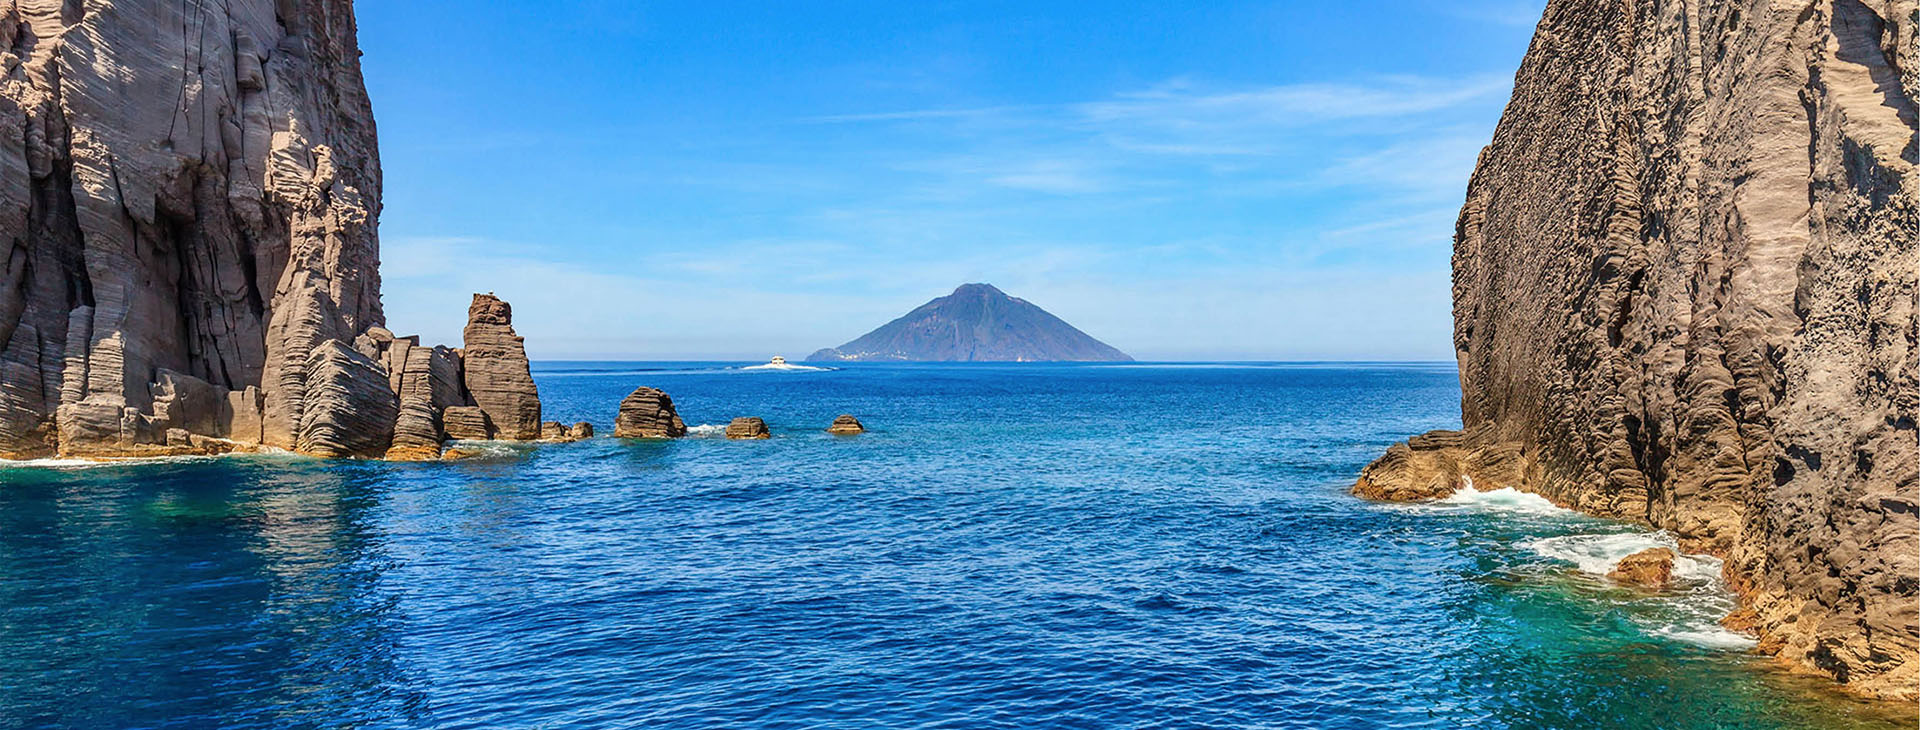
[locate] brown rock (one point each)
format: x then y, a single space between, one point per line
466 423
429 384
1684 294
554 431
498 376
213 218
1650 568
748 428
580 430
846 425
348 410
1434 465
648 414
240 415
413 453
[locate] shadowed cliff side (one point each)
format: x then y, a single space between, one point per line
1684 293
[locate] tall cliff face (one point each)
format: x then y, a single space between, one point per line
1684 293
188 191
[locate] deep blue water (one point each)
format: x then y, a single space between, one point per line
1008 547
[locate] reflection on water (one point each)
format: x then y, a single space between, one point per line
1006 547
207 589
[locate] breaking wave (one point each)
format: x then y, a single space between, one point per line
1688 611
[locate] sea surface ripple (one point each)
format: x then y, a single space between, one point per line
1007 547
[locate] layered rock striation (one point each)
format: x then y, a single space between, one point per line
1684 294
648 413
189 194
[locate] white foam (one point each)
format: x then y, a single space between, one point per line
1689 611
110 461
1504 499
706 431
1600 554
1711 637
788 367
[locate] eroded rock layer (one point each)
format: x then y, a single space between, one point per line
188 202
497 372
188 193
648 413
1684 293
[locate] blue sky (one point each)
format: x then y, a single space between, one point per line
733 180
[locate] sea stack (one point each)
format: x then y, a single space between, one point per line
1684 290
648 413
497 372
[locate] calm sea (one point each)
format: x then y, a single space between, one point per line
1033 546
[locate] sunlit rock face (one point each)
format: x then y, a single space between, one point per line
189 194
188 197
1684 289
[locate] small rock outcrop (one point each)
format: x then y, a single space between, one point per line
499 379
1650 568
748 428
846 425
648 413
1684 294
558 432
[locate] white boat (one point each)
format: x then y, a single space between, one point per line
780 363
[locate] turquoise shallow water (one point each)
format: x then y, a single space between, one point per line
1009 547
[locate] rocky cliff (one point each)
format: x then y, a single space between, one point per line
1684 293
977 322
188 201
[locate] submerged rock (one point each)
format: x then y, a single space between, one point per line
648 413
748 428
1650 568
846 425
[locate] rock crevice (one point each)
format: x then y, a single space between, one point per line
1684 294
189 197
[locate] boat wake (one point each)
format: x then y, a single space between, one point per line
786 367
